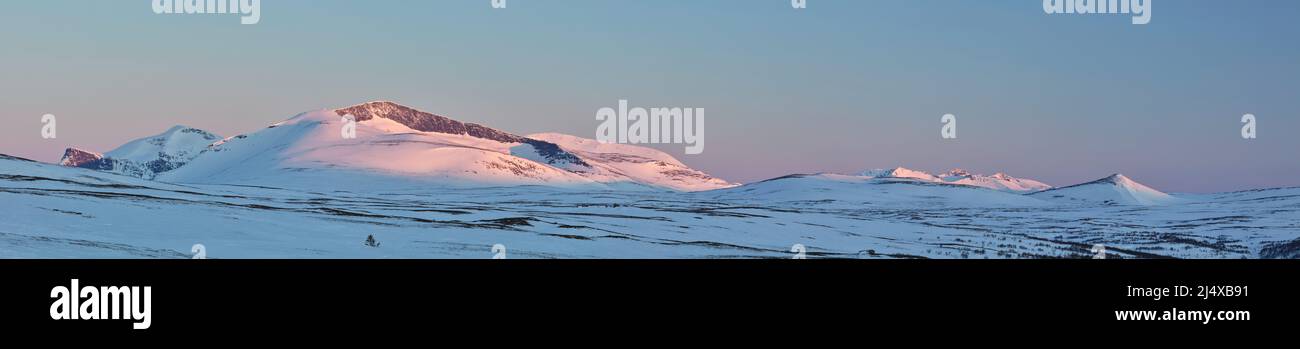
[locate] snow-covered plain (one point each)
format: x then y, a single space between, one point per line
427 186
50 211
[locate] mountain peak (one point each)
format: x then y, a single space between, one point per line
74 157
381 102
957 172
146 157
185 129
1114 189
381 108
999 181
378 108
426 122
1117 179
899 172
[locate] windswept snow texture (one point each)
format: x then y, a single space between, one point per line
50 211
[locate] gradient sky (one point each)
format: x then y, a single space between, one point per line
842 86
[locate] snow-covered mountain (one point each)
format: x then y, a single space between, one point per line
999 181
900 172
146 157
1114 190
74 157
858 191
51 211
398 146
612 162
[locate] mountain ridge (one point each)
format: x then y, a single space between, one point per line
999 181
145 157
428 122
1116 189
393 140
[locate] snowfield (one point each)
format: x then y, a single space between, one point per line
427 186
50 211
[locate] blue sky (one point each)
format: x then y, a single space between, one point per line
842 86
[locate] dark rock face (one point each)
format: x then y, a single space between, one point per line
147 168
427 122
553 154
165 163
74 157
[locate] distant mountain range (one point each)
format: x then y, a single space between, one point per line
146 157
398 147
433 187
999 181
1116 189
403 145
